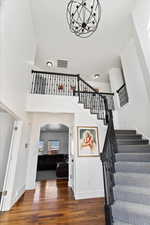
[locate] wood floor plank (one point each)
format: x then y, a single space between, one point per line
52 203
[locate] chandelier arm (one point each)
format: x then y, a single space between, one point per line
80 12
77 8
78 23
89 17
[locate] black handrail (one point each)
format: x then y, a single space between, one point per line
121 88
100 93
88 84
54 73
108 163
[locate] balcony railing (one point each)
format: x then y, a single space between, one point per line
123 95
47 83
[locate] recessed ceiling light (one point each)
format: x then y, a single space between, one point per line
50 63
96 76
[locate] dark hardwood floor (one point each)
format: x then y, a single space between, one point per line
52 203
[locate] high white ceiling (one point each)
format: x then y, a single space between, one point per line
96 54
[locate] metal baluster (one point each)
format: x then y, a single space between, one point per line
57 84
52 84
49 84
55 90
33 83
68 86
38 84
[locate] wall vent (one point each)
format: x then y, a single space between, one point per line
62 63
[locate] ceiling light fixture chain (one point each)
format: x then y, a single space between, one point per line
83 17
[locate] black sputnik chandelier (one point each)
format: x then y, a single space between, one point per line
83 17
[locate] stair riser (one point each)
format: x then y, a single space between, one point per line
122 137
133 148
132 142
125 132
133 158
132 197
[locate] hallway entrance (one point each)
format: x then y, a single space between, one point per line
53 152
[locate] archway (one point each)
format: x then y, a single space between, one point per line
53 152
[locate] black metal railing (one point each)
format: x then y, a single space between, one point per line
123 95
108 162
72 85
53 83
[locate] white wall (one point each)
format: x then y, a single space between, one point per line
53 104
135 114
88 170
141 22
17 49
62 137
17 52
102 86
6 127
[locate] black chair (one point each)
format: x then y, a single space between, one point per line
62 170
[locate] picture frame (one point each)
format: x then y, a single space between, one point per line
87 141
53 146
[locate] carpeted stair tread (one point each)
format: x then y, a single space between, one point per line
132 167
133 157
134 148
138 195
131 213
132 179
132 141
120 223
128 136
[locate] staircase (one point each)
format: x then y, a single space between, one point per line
125 157
131 180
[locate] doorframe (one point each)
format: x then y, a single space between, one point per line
6 201
70 131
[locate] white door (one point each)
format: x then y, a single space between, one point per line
5 204
6 130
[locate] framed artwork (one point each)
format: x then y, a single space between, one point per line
53 146
88 145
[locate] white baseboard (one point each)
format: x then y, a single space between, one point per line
19 193
30 187
89 194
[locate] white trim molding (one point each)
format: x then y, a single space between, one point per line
89 194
